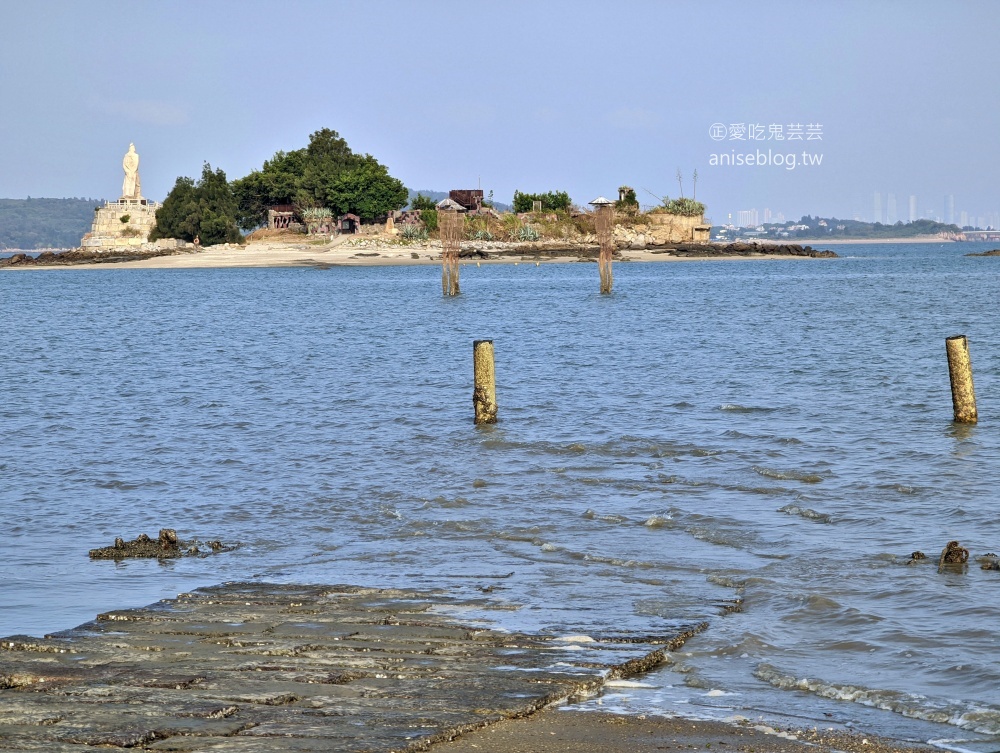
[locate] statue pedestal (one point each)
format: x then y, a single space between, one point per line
121 224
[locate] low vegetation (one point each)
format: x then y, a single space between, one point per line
550 202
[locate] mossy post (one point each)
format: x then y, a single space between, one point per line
452 226
604 221
963 394
484 392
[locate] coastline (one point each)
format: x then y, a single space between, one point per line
300 667
373 252
563 730
866 241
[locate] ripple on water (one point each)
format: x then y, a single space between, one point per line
805 512
974 717
787 475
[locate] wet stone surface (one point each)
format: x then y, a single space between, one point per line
261 667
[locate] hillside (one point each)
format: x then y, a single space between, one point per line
45 223
440 195
809 228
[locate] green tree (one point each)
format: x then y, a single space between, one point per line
206 210
216 208
422 202
325 160
177 218
367 190
325 174
277 182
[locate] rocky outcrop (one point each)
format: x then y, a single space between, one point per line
165 546
994 252
745 249
87 256
287 669
954 554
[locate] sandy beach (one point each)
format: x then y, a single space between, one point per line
299 251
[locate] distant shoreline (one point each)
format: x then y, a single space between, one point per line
850 241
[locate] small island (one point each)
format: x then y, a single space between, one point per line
325 205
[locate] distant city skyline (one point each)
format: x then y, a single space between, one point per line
884 210
570 96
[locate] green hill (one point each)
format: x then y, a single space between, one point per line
45 223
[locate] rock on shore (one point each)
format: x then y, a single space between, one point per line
83 256
287 669
709 250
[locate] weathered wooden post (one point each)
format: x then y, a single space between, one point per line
963 394
604 220
452 225
484 392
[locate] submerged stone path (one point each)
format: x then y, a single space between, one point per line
263 667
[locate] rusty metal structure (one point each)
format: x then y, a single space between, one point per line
470 198
452 227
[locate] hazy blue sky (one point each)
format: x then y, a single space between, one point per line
576 96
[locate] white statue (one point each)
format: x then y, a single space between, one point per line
131 188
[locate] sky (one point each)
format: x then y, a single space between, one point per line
897 97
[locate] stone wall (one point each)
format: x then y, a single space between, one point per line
110 232
674 228
663 229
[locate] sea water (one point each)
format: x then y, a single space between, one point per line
756 444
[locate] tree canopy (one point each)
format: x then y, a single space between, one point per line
551 201
205 210
422 202
326 173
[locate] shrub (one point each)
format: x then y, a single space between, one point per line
551 201
683 207
413 233
629 202
527 233
430 219
124 219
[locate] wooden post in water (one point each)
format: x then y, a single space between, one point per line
452 225
963 394
484 392
604 221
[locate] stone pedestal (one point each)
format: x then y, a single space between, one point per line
125 223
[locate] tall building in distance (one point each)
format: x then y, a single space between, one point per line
747 218
878 214
891 216
913 208
949 209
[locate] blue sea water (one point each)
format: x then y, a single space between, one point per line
758 444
